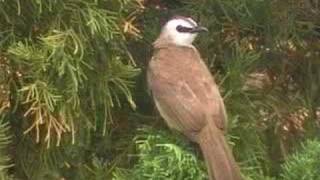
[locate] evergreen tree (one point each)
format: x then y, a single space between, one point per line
66 71
303 164
74 104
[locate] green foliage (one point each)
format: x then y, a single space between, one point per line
67 87
67 71
5 141
39 162
304 164
162 156
58 58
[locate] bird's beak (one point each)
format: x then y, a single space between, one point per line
199 29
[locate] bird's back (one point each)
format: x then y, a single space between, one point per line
179 73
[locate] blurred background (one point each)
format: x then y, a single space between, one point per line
74 102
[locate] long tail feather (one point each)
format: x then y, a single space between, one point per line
219 159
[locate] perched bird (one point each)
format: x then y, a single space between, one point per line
187 96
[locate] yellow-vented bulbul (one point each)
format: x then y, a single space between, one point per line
187 96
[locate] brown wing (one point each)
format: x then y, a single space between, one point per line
184 90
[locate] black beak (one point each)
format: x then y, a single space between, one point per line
199 29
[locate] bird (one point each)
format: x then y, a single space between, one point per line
186 95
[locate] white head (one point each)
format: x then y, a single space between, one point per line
181 30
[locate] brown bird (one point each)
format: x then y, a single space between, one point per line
187 96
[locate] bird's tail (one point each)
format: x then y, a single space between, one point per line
219 159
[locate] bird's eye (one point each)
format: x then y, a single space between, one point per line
183 29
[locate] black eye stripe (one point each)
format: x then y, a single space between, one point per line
183 29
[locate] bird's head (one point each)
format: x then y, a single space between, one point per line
181 30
